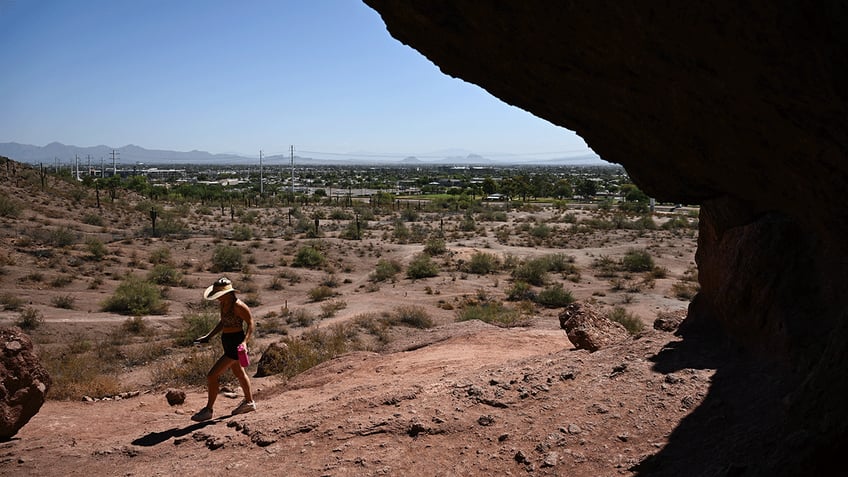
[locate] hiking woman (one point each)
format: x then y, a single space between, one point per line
234 314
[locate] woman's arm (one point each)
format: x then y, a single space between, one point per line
217 329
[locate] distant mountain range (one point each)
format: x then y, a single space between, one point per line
131 155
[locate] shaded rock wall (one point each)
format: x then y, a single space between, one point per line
740 108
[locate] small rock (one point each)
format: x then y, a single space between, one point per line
574 429
551 459
175 396
486 420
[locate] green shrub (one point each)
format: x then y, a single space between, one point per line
194 325
96 249
554 296
631 323
385 270
242 233
541 231
161 255
494 313
314 347
329 308
135 296
482 263
422 266
163 274
309 257
321 292
413 316
61 237
300 317
227 258
534 272
93 219
520 290
29 318
637 261
435 246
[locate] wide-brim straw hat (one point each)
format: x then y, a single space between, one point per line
218 289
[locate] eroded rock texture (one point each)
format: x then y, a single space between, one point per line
739 107
24 381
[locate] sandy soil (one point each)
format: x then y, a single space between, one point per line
463 398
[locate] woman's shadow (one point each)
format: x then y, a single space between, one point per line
154 438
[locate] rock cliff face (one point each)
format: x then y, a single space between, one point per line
740 108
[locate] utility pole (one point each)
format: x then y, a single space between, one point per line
114 167
76 165
261 184
88 156
291 152
102 170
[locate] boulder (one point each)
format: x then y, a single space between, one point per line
24 382
669 320
175 396
588 329
273 360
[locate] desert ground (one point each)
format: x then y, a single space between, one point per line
452 397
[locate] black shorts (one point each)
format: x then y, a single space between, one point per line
231 342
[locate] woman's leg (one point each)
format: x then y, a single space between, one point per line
212 379
243 380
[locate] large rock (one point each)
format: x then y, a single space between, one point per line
588 329
274 360
740 107
24 382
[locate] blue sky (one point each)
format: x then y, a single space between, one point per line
240 76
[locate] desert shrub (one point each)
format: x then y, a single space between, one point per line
329 308
227 258
300 317
76 372
29 318
61 237
520 290
534 272
96 248
631 323
93 219
63 301
11 302
482 263
401 232
554 296
659 272
60 281
242 233
136 325
340 214
316 346
194 325
161 255
491 312
164 274
251 299
9 207
135 296
560 262
605 265
637 261
413 316
320 293
540 231
375 325
309 257
385 270
188 370
685 290
435 246
422 266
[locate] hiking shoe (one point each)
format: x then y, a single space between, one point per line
244 407
202 415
